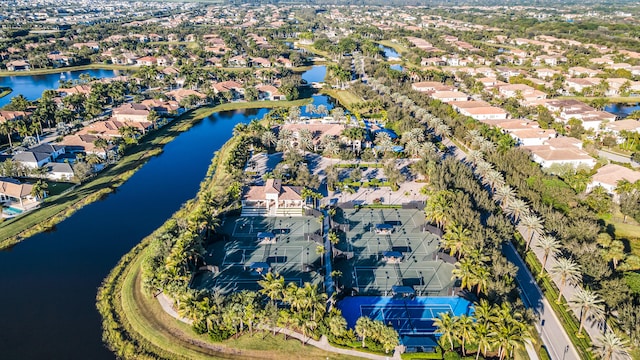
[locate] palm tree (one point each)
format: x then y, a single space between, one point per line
610 346
464 328
272 286
494 179
591 306
334 239
446 326
364 326
505 195
463 273
516 209
550 246
615 252
7 128
39 189
482 338
456 238
437 208
533 224
568 271
320 250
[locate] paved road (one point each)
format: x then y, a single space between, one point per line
617 158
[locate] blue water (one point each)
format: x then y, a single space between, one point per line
407 316
11 211
389 53
622 110
32 86
397 67
49 281
325 100
317 73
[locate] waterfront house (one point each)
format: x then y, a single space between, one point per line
18 65
13 193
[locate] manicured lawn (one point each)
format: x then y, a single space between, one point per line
346 98
56 188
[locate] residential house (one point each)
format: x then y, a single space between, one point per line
39 155
561 150
431 86
181 94
270 92
479 110
146 61
59 171
582 71
526 92
131 112
18 65
273 199
85 143
617 127
449 96
238 61
608 177
260 62
13 193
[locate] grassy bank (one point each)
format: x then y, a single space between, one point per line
65 69
57 208
399 48
611 100
4 91
345 97
135 326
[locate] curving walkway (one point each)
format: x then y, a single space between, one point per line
167 305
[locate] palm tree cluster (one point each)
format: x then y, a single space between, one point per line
491 329
564 223
375 333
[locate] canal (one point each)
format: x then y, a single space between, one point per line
49 282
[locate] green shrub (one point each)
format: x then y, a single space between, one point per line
451 355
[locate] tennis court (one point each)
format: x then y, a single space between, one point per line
407 316
250 247
391 247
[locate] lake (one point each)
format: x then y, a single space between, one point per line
622 110
32 86
317 73
49 281
389 53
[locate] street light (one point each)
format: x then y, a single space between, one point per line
566 350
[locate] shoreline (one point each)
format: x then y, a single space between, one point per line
99 66
60 207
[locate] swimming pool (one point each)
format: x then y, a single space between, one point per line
11 211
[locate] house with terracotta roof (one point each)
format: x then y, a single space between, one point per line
561 150
608 177
86 143
318 130
15 194
270 92
431 86
617 127
181 94
273 199
449 96
146 61
479 110
18 65
131 112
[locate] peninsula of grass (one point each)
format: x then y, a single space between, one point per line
4 91
399 48
59 207
345 97
136 326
